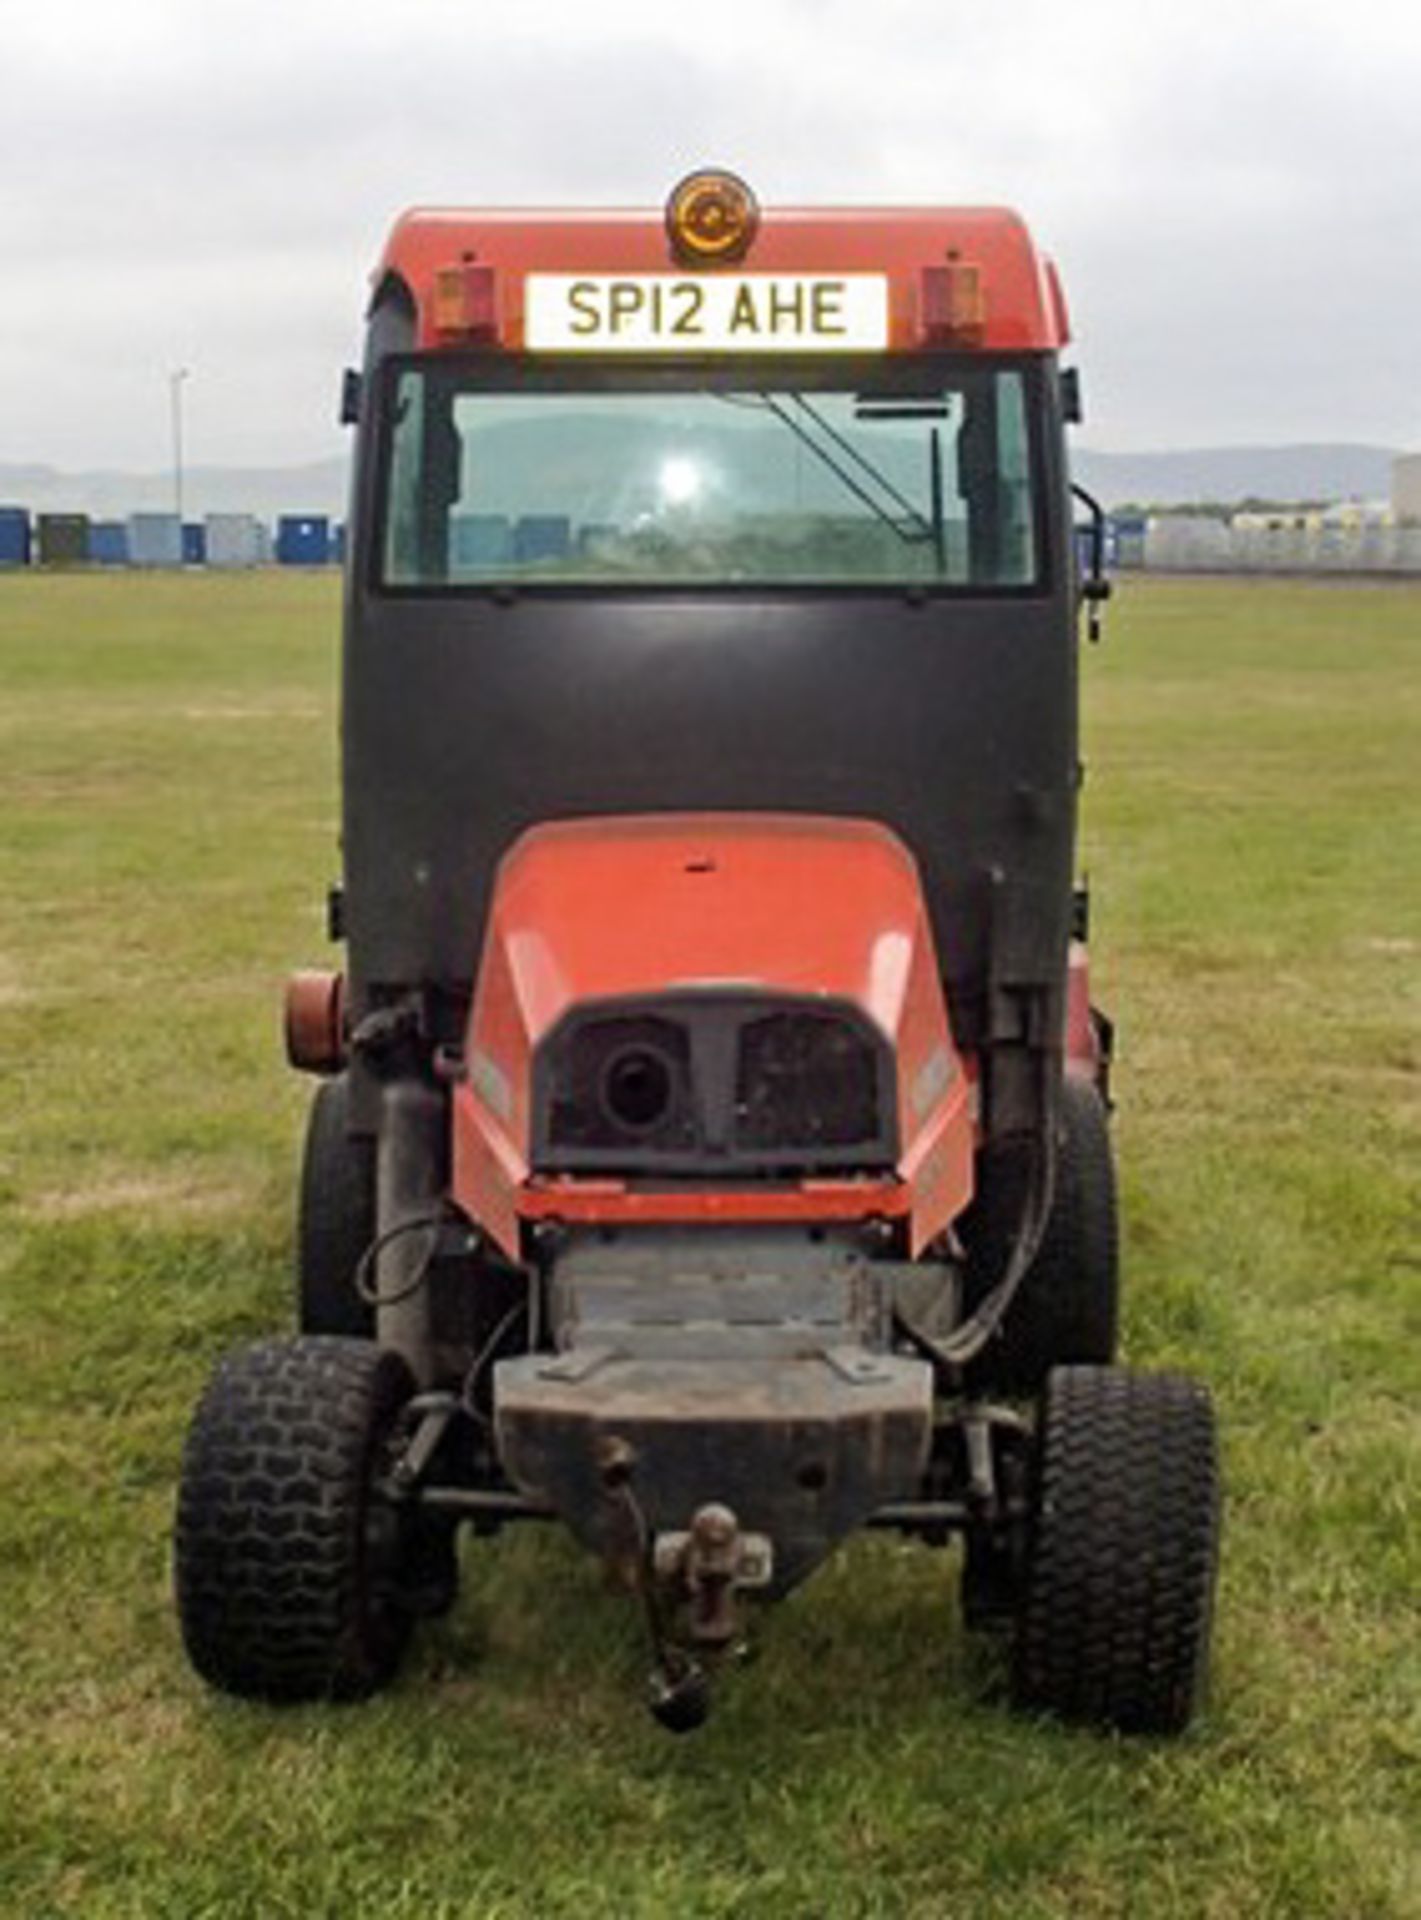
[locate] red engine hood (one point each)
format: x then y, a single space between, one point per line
589 909
603 908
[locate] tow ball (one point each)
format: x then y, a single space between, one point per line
698 1573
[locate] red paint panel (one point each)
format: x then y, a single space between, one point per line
1056 297
1024 309
487 1171
780 904
812 1202
937 1105
1082 1041
590 909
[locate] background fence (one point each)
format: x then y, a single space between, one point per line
161 540
1165 543
1180 543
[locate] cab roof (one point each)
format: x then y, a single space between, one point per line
1023 307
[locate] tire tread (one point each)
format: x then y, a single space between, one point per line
273 1584
335 1217
1116 1616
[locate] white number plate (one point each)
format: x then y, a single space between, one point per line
708 313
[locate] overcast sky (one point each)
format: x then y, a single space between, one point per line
1233 190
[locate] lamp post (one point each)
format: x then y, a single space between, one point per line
175 396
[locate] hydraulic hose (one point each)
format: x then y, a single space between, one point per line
966 1341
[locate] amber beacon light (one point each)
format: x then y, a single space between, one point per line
711 218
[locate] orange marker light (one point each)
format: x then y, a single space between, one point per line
465 306
953 303
711 219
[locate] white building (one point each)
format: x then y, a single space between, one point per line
233 540
1186 543
1406 488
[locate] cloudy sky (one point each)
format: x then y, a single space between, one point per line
1231 186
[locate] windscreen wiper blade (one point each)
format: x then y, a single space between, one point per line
917 529
865 465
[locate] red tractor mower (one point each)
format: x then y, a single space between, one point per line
710 1150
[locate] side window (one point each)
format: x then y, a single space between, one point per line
1018 544
406 447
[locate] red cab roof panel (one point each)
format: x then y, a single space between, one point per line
1022 307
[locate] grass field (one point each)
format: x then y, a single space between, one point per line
1253 833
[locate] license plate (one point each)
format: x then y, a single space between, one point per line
665 313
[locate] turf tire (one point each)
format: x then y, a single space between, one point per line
285 1586
1117 1603
1067 1309
335 1218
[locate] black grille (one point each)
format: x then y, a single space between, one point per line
804 1081
623 1083
714 1083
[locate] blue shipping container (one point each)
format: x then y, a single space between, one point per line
14 537
194 543
108 543
542 536
480 540
303 540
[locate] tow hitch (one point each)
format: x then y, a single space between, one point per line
717 1413
698 1574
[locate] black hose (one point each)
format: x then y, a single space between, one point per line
365 1286
468 1393
966 1341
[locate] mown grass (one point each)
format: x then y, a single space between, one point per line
1254 835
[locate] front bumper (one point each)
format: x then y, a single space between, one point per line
748 1370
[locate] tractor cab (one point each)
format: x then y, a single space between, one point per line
711 1147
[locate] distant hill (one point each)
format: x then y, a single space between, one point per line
1325 471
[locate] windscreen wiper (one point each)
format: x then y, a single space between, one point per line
915 532
917 527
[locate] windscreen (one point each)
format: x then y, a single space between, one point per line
921 481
